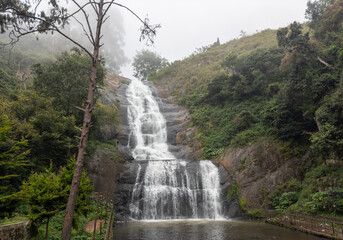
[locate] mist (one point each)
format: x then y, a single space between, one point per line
50 45
191 24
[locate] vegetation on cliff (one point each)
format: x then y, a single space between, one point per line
39 122
283 85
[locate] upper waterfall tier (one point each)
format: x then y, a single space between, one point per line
166 188
147 124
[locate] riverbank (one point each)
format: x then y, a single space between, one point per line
322 226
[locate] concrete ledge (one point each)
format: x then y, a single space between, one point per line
15 231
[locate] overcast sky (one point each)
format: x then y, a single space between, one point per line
190 24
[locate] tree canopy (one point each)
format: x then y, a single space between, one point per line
146 62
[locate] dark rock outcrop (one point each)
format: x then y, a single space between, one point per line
258 169
105 165
230 204
180 136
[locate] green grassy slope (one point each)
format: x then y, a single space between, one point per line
193 74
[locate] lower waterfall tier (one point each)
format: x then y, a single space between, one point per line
176 189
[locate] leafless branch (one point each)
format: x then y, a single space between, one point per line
91 39
148 32
50 27
106 19
73 41
81 8
87 21
93 4
79 108
39 2
325 63
108 7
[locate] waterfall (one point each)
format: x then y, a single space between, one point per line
166 188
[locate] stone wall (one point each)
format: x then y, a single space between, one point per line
17 231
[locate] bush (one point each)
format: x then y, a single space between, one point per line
330 201
257 213
234 191
285 201
242 204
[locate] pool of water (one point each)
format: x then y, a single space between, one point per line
205 230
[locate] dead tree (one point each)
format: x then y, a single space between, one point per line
23 17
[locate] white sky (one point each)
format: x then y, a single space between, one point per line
190 24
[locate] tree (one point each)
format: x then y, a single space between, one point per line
46 193
13 153
46 197
315 11
330 25
66 81
23 18
146 62
328 141
49 133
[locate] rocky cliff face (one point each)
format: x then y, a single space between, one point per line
181 137
106 164
258 169
116 179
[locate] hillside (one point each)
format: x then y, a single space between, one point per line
268 108
194 73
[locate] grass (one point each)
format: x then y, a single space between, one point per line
194 73
16 219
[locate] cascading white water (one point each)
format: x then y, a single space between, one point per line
167 188
147 124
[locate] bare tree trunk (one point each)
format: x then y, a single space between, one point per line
96 215
47 229
67 224
108 230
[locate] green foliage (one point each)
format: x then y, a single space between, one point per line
331 20
7 81
234 191
245 137
315 10
47 194
66 81
257 213
85 188
79 232
13 161
328 141
146 62
285 200
107 150
244 120
320 192
330 201
242 205
12 153
16 219
191 76
285 195
105 120
50 134
14 13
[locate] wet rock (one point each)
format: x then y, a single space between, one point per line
258 169
180 136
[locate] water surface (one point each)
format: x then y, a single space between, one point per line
205 230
